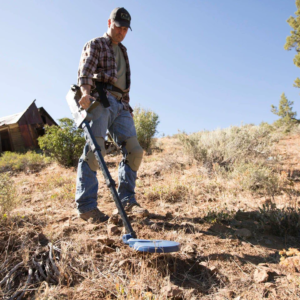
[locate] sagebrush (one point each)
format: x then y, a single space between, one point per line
244 154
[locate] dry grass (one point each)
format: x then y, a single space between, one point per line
196 206
8 196
27 162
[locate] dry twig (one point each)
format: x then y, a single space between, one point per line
11 272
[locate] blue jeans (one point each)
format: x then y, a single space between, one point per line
120 124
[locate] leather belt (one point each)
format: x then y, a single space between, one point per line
113 88
101 87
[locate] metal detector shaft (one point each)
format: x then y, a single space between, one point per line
108 179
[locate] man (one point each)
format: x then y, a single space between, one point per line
105 61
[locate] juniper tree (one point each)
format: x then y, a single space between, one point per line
284 111
64 142
293 41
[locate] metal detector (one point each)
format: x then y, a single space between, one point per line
82 119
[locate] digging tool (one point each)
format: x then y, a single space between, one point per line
82 118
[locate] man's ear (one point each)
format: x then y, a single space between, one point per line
109 23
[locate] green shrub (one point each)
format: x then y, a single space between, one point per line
282 222
64 143
146 122
219 216
12 161
8 196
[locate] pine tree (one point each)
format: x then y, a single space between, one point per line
293 41
284 111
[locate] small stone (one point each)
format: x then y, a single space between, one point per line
114 219
115 212
198 235
244 233
204 264
106 249
190 248
171 291
218 228
260 276
213 270
139 212
113 229
291 264
105 240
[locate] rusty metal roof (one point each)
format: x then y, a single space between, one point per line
11 119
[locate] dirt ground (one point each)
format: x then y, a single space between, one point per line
225 253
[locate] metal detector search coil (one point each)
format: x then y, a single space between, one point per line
154 246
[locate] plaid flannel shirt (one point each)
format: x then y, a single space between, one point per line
97 62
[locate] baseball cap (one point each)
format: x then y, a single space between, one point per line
121 17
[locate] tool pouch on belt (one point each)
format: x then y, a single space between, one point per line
102 94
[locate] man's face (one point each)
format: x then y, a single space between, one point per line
117 34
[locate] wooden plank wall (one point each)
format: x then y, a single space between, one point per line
28 143
31 116
16 138
34 134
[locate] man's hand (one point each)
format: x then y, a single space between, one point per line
86 98
86 101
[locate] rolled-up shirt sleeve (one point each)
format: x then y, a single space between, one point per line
88 63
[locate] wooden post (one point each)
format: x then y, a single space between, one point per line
12 146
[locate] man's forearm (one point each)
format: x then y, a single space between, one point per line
86 99
85 89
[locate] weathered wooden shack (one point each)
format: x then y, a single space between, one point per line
19 132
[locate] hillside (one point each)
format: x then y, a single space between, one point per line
230 248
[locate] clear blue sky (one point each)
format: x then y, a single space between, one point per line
199 64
